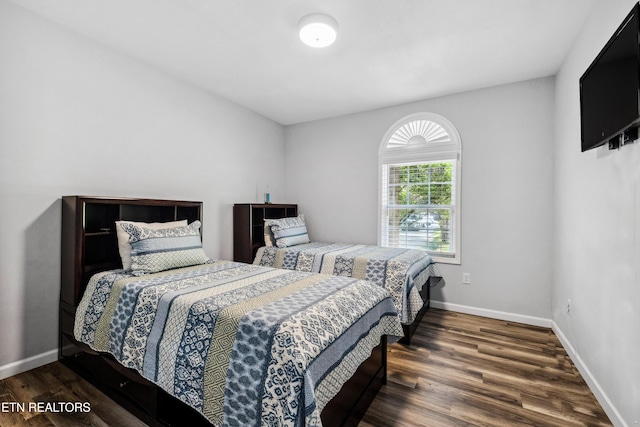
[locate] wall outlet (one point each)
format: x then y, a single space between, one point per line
466 278
569 307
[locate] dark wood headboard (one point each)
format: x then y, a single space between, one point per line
89 243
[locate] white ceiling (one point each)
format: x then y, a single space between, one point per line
388 52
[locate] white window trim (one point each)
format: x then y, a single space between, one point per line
450 150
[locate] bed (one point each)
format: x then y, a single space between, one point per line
213 341
407 274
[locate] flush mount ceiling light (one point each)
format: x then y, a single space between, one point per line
318 30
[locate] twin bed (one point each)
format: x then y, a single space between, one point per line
180 339
407 274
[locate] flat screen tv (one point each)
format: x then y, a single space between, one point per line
610 89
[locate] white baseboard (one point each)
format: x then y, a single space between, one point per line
601 396
27 364
494 314
608 407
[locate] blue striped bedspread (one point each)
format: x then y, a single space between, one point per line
242 344
403 272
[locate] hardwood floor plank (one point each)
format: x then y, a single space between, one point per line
9 417
23 392
40 420
61 419
398 407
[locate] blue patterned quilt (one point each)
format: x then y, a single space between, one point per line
242 344
403 272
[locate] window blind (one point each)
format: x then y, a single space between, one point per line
418 205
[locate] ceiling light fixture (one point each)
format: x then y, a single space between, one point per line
318 30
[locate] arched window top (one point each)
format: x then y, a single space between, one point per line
424 132
419 131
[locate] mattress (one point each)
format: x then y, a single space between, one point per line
241 344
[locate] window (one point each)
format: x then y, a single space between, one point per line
419 181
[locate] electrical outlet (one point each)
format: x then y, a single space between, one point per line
466 278
569 307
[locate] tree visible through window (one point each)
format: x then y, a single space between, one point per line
419 185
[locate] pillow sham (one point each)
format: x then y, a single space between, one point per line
289 231
163 249
124 247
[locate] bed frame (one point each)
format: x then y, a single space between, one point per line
89 245
409 330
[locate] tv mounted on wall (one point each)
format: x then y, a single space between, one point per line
610 89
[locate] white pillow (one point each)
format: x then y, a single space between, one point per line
123 237
164 249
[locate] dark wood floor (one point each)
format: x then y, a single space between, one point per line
468 370
460 370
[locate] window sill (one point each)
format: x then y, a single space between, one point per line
446 260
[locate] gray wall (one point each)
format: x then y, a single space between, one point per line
77 118
597 237
507 186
